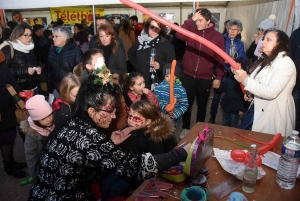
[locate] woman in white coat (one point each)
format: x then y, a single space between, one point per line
271 85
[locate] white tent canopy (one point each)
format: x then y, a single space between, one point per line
17 4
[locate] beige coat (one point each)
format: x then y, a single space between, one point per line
274 108
128 41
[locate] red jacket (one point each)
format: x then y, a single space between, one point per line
199 60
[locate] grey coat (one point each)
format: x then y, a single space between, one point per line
33 146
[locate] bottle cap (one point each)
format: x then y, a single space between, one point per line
253 145
295 132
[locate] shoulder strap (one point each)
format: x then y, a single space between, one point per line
5 43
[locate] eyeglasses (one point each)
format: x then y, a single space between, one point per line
154 28
259 29
111 111
231 29
55 36
28 36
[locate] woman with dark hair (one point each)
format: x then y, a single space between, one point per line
271 84
151 40
79 153
127 34
21 59
114 56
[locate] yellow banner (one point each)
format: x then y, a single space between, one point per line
71 15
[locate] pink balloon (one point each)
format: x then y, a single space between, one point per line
185 32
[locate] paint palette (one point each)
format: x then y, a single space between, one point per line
175 175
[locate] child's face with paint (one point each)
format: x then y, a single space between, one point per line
137 121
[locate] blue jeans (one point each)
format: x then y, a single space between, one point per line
231 120
178 68
296 96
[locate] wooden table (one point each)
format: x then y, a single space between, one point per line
266 188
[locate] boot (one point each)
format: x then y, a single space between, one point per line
212 119
19 165
10 169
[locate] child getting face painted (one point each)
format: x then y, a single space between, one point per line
152 131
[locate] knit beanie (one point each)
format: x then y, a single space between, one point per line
167 70
38 108
268 23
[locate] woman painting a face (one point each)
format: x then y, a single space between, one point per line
80 144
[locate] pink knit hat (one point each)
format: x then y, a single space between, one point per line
38 108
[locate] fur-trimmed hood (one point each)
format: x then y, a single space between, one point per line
25 127
162 129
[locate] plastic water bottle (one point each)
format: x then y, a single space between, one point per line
289 161
250 172
152 55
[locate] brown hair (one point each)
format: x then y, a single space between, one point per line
108 29
149 111
77 70
129 80
163 29
69 82
19 31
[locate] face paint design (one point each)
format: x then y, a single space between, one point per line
136 121
104 116
99 63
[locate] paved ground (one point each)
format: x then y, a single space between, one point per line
10 189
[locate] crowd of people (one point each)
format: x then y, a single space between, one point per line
108 122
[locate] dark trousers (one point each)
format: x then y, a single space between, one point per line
296 96
199 88
231 120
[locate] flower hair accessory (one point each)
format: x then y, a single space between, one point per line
103 76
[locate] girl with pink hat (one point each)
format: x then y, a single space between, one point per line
37 127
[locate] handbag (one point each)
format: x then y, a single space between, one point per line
247 120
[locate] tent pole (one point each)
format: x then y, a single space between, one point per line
94 19
194 5
4 17
180 23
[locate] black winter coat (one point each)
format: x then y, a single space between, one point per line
18 66
7 105
139 142
140 59
62 63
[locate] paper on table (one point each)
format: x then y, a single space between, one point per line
233 167
271 160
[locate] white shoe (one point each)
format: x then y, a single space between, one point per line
183 133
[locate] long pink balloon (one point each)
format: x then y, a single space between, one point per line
183 31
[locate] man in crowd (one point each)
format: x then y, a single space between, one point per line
198 62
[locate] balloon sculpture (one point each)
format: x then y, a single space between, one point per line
185 32
241 156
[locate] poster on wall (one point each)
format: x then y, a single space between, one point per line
144 17
117 18
72 15
214 17
37 20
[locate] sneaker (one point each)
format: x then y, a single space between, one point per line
183 133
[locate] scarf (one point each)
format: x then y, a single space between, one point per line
21 47
232 50
107 52
42 131
146 41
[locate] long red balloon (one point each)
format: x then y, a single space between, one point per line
185 32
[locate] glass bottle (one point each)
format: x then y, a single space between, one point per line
250 172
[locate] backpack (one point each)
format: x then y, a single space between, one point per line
5 43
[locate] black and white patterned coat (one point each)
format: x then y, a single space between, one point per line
77 155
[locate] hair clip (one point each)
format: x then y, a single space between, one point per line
103 76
